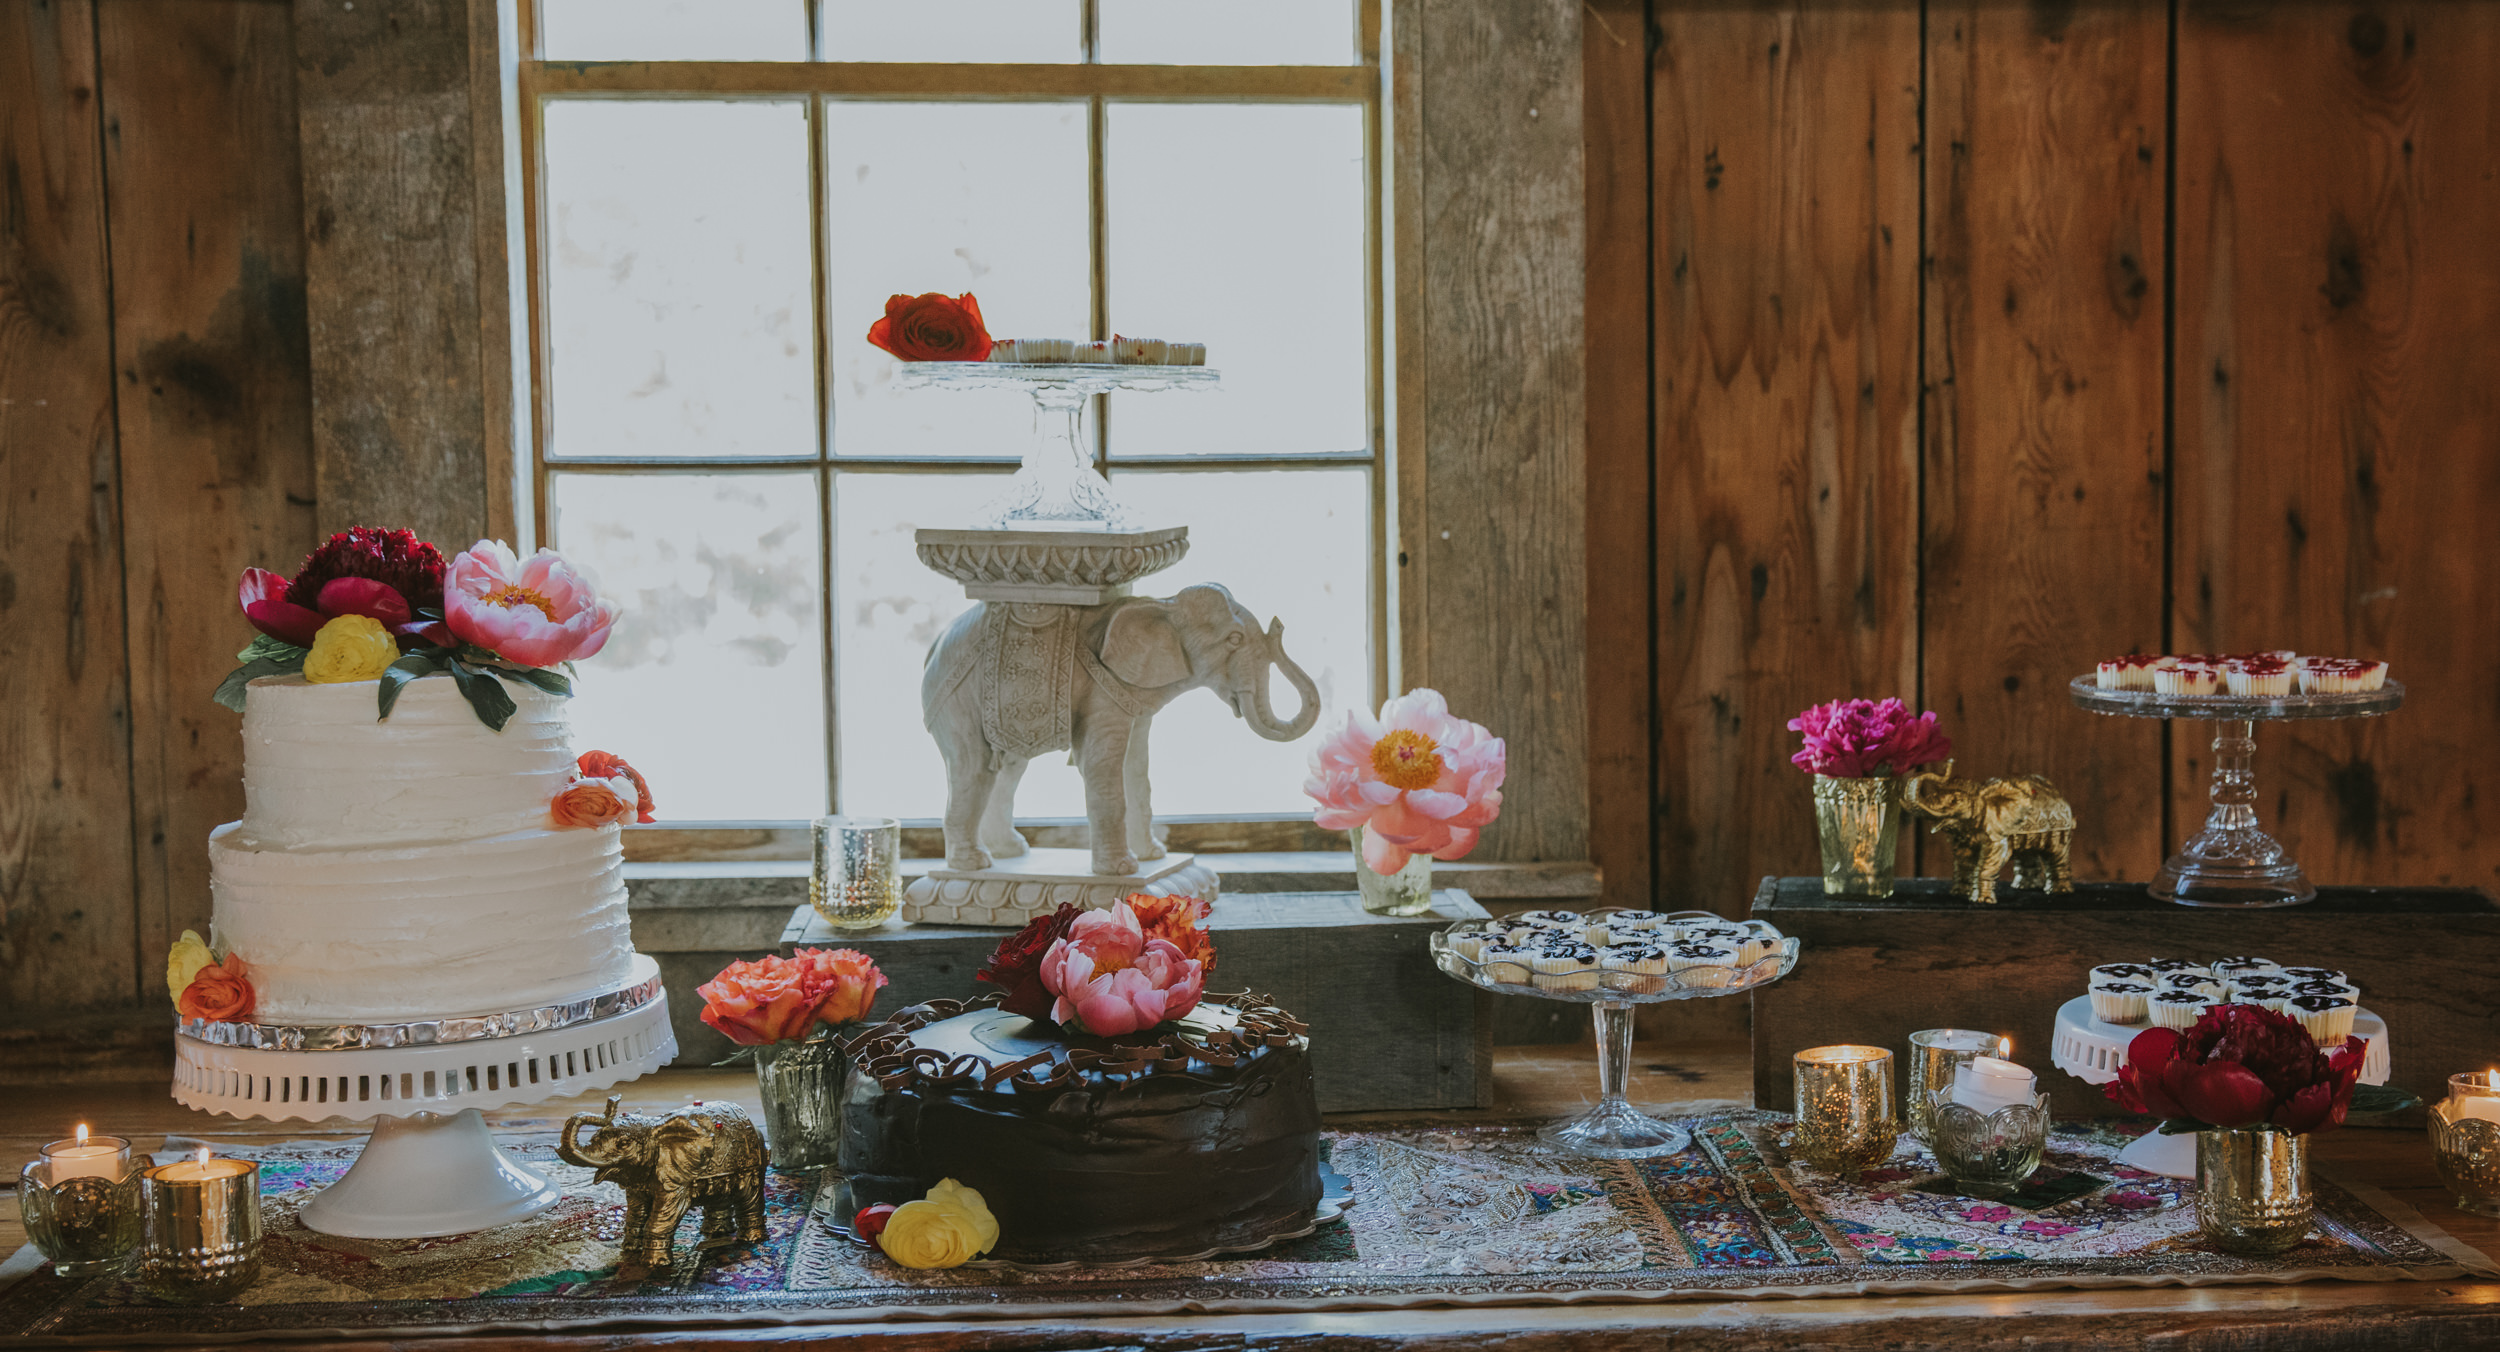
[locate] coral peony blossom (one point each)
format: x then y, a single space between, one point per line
778 999
1858 738
602 765
538 612
1416 780
1016 964
220 993
592 802
1182 920
1112 979
932 327
2240 1066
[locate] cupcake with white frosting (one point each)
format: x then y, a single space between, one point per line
2327 1017
2176 1009
1507 962
2122 971
1565 967
2120 1001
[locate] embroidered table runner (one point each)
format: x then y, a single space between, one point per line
1441 1215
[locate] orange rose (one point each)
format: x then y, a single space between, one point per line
932 327
849 979
1178 920
602 765
777 999
221 993
592 802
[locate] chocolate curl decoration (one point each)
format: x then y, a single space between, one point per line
1012 1069
1062 1075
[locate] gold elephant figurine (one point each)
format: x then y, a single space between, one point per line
1991 822
707 1154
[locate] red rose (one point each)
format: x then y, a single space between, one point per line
1017 964
221 993
932 327
602 765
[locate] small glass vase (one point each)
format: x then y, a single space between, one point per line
801 1084
1987 1154
2252 1190
1405 892
1860 824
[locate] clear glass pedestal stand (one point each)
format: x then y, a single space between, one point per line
1614 1129
2232 863
1057 487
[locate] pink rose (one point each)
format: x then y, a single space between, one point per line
1417 780
1111 979
538 612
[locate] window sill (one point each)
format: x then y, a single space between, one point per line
744 905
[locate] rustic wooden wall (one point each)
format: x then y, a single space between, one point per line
1989 338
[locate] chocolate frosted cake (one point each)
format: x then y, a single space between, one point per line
1201 1134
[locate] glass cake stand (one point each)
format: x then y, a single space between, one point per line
2232 862
1057 488
1613 1128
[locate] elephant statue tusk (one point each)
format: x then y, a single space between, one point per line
1262 717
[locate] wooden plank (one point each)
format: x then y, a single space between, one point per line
1785 214
2042 526
2338 424
399 392
65 869
914 80
1621 609
1506 488
1875 971
209 348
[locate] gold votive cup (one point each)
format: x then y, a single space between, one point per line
201 1240
1845 1121
2465 1141
80 1202
857 881
1935 1054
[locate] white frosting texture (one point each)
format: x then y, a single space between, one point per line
320 772
469 927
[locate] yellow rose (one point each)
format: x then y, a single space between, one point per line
350 648
948 1228
189 955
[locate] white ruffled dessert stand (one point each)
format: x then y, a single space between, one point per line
430 1167
2092 1051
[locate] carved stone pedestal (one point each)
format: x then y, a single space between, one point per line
1014 891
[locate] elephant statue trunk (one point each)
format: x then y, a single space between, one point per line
1261 716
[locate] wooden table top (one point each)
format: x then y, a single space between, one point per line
1530 1082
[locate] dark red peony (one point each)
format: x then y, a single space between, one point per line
2240 1066
384 575
932 327
1017 964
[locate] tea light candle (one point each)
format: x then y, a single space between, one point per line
1987 1083
78 1157
201 1241
80 1201
2474 1094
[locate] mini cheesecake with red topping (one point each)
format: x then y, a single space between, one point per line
2257 674
2341 675
2132 672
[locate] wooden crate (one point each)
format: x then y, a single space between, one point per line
2427 960
1388 1029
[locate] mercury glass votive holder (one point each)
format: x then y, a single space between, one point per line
1988 1154
1935 1054
857 881
1845 1121
2465 1141
200 1243
87 1221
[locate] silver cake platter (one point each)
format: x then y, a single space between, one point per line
641 988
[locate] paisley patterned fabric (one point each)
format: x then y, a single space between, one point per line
1440 1215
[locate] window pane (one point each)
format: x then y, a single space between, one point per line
1241 227
1228 32
1292 544
953 30
988 198
712 683
891 608
678 282
673 30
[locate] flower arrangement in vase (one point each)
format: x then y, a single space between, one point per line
1413 785
789 1011
1857 750
2254 1086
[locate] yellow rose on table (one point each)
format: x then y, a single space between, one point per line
189 955
350 648
948 1228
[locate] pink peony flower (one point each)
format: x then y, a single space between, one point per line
1111 979
537 612
1856 738
1417 780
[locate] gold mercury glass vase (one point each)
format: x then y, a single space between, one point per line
1860 824
2252 1190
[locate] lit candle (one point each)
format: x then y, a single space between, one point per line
80 1158
201 1168
1988 1083
201 1240
2474 1095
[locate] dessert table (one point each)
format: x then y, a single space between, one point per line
1532 1084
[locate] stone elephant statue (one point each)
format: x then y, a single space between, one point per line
1009 681
1990 822
708 1155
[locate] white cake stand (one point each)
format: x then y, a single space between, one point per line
2092 1051
430 1167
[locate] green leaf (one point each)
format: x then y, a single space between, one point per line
485 694
552 682
2383 1098
230 691
400 673
263 646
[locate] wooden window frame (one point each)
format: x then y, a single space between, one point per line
821 82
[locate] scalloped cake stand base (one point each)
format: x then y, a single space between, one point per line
1015 891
